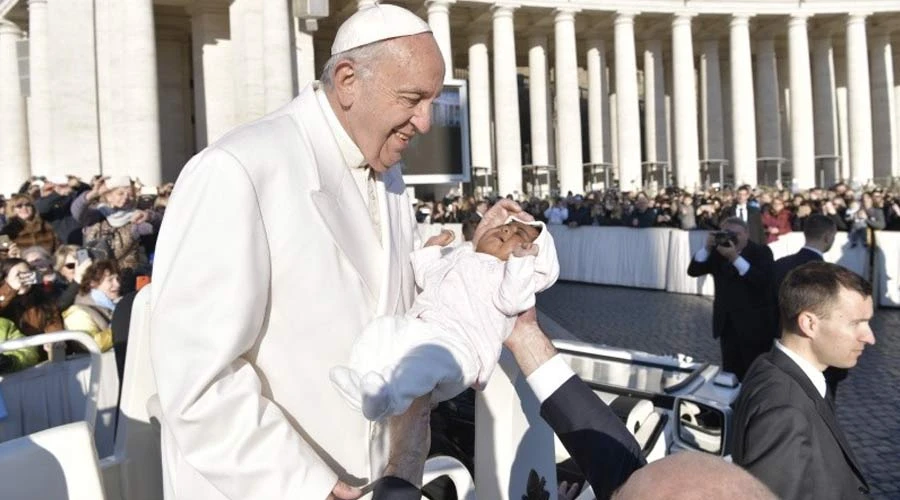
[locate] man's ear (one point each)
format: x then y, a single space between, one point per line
808 323
346 82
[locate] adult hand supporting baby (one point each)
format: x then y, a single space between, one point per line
410 441
497 216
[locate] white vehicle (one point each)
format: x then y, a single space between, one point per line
668 403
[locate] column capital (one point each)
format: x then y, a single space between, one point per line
564 14
439 5
9 28
857 17
537 39
798 18
679 18
204 6
504 9
595 44
626 16
478 37
740 19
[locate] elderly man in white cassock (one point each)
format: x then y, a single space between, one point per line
317 231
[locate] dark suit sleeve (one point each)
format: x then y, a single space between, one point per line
696 268
392 488
593 435
761 267
876 218
778 451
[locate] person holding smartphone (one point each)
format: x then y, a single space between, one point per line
23 303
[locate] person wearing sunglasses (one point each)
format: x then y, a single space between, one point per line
25 227
69 273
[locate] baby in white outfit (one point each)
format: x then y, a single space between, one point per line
452 336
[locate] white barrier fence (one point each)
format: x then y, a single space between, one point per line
657 258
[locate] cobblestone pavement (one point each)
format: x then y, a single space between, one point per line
666 323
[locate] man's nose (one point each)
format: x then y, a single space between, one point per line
422 117
869 336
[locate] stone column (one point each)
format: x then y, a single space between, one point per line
537 98
141 92
14 156
825 103
627 110
883 106
654 95
362 4
439 20
39 103
803 163
598 98
687 156
480 102
743 113
859 101
568 103
304 52
248 54
213 72
711 118
767 99
711 102
506 103
277 26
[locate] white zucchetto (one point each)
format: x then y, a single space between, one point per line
377 23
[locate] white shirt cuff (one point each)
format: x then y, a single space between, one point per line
741 265
702 255
549 377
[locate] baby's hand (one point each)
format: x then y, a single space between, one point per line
443 239
525 249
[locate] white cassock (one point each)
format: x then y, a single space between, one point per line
267 268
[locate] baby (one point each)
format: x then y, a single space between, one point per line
452 336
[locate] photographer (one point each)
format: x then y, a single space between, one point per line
743 309
24 303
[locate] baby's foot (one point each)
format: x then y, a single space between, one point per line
376 396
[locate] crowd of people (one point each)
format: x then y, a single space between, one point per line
70 250
781 210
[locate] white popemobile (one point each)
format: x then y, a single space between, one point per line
669 403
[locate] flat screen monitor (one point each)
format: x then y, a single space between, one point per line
442 155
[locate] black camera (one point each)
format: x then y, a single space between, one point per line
723 238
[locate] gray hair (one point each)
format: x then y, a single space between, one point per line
737 221
364 57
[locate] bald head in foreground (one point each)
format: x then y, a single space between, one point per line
594 436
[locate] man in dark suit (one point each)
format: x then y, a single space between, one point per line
819 232
747 213
785 429
593 435
743 307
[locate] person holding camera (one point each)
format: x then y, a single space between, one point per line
24 303
742 307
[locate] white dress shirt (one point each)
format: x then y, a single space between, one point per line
814 375
741 211
739 263
549 377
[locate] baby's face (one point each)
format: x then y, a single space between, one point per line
502 240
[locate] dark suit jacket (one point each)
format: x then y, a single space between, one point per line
743 304
754 222
785 264
593 435
787 435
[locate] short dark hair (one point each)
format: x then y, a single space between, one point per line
814 287
816 226
94 274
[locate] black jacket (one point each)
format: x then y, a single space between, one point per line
594 436
787 435
57 210
785 264
743 302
